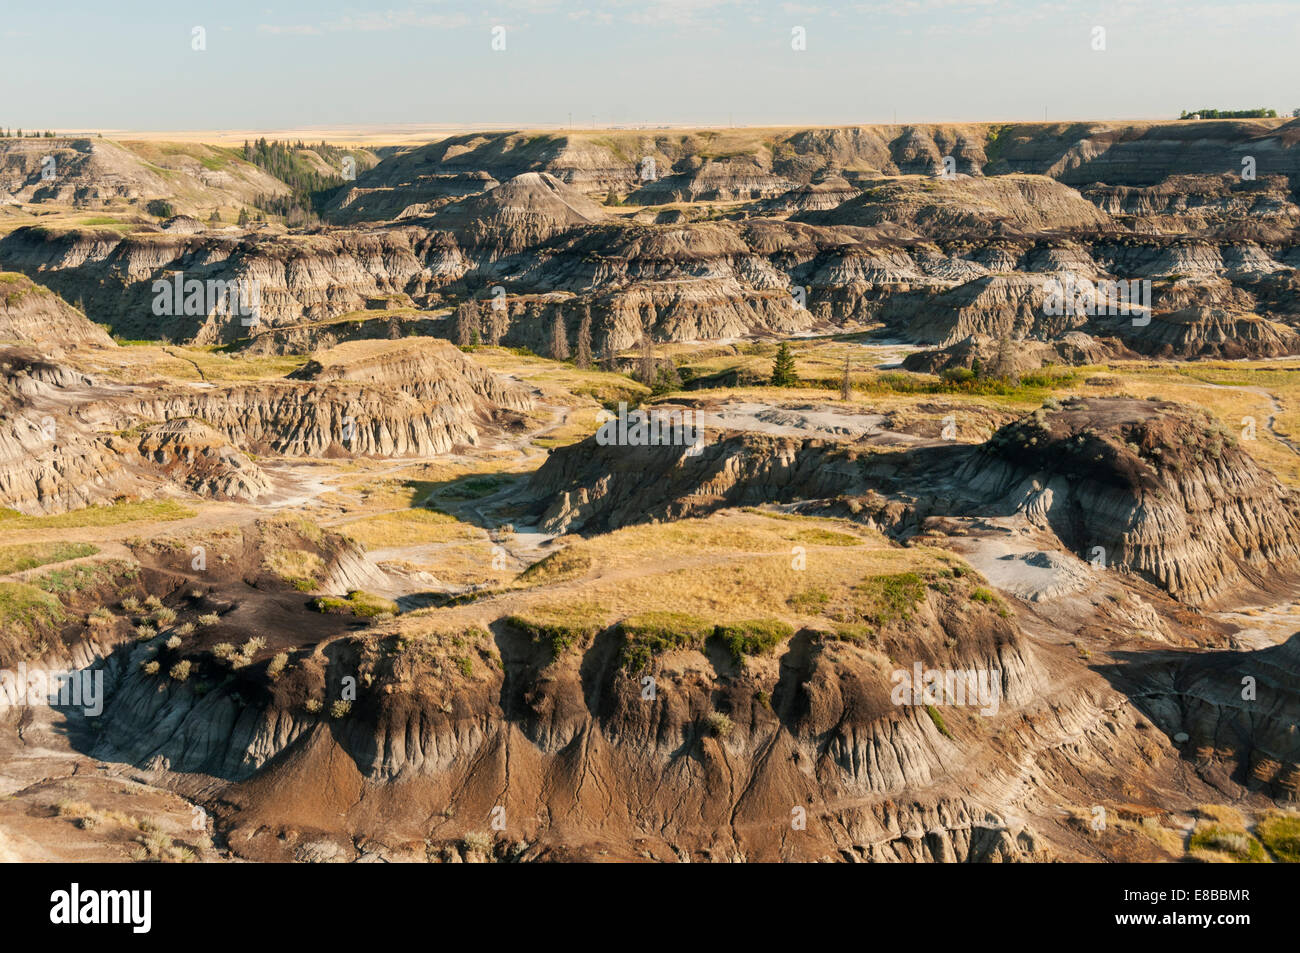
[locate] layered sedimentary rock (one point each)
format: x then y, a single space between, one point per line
939 206
817 727
31 314
67 441
197 457
984 353
99 173
528 210
405 399
1160 490
764 233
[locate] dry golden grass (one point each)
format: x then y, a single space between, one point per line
561 382
298 567
1224 815
409 527
135 363
729 567
458 564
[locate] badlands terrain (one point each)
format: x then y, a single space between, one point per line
384 568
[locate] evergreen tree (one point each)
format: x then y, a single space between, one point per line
559 338
783 372
215 218
243 216
666 379
846 383
583 356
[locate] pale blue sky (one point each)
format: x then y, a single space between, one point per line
88 64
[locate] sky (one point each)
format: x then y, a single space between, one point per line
86 65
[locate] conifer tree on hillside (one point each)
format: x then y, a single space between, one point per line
846 382
783 372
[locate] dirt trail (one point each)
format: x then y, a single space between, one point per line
1274 403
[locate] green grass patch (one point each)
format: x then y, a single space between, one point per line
84 576
23 610
653 633
1233 844
112 514
888 598
938 721
1280 835
23 556
473 488
564 564
560 627
363 605
810 601
754 636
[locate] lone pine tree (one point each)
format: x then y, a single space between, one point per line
783 372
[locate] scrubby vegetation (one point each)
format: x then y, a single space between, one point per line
22 556
1221 836
564 564
363 605
653 633
754 636
560 627
1280 835
111 514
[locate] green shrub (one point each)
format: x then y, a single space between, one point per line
938 721
720 724
560 628
363 605
810 601
653 633
887 598
1236 844
275 668
754 636
1280 834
